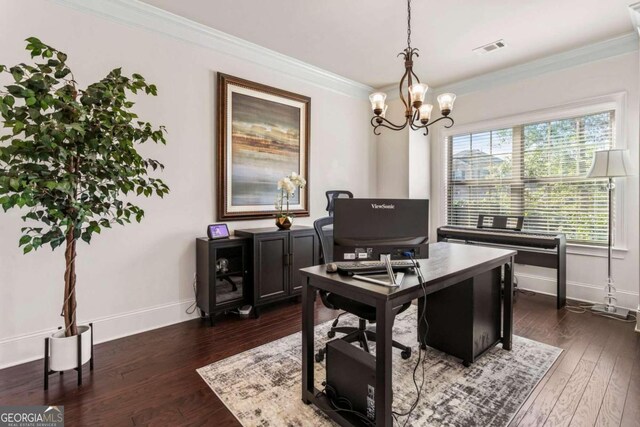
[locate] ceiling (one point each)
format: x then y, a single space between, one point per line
359 39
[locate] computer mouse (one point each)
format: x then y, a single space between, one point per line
332 267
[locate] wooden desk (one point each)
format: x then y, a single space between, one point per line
448 265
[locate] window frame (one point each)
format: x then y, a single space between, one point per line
616 102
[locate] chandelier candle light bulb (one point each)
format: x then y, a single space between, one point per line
425 113
418 92
377 102
417 115
446 103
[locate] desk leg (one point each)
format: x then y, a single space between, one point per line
307 341
507 318
384 326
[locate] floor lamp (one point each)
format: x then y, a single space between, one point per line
610 164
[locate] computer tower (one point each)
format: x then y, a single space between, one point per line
351 375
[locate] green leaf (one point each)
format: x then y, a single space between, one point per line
24 240
30 101
9 100
17 74
14 183
27 249
17 127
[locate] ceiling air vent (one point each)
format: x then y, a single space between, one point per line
491 47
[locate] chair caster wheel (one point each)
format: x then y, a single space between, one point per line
331 334
466 364
406 354
423 346
319 356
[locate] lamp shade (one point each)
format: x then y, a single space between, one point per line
609 164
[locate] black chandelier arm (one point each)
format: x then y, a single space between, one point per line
426 125
377 121
404 101
451 122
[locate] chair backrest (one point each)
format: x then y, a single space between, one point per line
502 222
324 230
334 194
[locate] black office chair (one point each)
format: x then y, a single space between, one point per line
335 194
362 335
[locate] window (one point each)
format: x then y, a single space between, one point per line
537 170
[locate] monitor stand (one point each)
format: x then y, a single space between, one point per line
393 279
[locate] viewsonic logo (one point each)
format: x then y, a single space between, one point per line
376 206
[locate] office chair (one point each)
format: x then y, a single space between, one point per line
335 194
361 334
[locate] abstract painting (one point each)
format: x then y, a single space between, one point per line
263 135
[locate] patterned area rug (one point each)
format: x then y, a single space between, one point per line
261 387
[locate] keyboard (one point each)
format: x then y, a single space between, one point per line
363 267
524 238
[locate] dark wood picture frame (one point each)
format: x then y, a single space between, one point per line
224 82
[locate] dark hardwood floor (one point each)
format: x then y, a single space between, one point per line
150 378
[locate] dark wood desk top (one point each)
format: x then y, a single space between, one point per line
446 261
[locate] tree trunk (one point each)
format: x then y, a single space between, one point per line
69 306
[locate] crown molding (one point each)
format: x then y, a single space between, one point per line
148 17
594 52
634 11
572 58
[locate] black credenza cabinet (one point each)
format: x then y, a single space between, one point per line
276 256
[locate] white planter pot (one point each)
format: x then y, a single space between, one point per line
63 350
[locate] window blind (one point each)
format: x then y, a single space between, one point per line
537 170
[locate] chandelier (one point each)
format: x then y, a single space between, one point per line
417 113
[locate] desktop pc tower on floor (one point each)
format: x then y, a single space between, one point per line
351 378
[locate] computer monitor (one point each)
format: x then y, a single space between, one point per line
364 229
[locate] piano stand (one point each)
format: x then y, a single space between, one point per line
534 248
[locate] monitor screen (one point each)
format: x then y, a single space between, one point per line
366 228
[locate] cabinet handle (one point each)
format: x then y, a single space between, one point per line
286 259
291 260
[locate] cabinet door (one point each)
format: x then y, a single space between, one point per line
304 253
271 264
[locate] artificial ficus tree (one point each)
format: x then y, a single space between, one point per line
68 156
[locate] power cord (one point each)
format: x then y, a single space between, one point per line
331 393
585 307
192 308
420 361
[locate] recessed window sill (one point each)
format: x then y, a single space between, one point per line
596 251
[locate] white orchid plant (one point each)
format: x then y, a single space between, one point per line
287 187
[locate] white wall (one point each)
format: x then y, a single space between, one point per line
586 275
140 276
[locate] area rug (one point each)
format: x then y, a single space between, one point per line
262 386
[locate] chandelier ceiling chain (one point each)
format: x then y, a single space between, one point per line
417 113
409 24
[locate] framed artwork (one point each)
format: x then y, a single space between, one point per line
263 135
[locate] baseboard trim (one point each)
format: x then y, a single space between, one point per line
29 347
575 290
